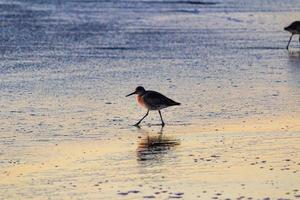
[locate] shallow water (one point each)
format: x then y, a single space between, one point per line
66 67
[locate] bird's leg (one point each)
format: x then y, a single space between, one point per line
162 121
287 47
161 130
299 38
137 124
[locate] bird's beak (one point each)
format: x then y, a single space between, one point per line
131 94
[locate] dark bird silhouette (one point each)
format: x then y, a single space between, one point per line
293 28
152 100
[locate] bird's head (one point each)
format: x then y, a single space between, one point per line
139 90
287 28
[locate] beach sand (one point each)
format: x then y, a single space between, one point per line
256 160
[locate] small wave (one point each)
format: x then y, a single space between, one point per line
262 48
182 2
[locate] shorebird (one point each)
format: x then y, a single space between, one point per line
152 100
293 28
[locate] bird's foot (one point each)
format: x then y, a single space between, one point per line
137 125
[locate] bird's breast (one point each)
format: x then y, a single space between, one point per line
141 101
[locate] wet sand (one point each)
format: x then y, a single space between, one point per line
66 127
179 162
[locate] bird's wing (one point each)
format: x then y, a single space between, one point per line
156 100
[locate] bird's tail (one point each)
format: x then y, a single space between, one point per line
176 103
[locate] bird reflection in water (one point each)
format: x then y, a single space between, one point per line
294 54
294 71
154 147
